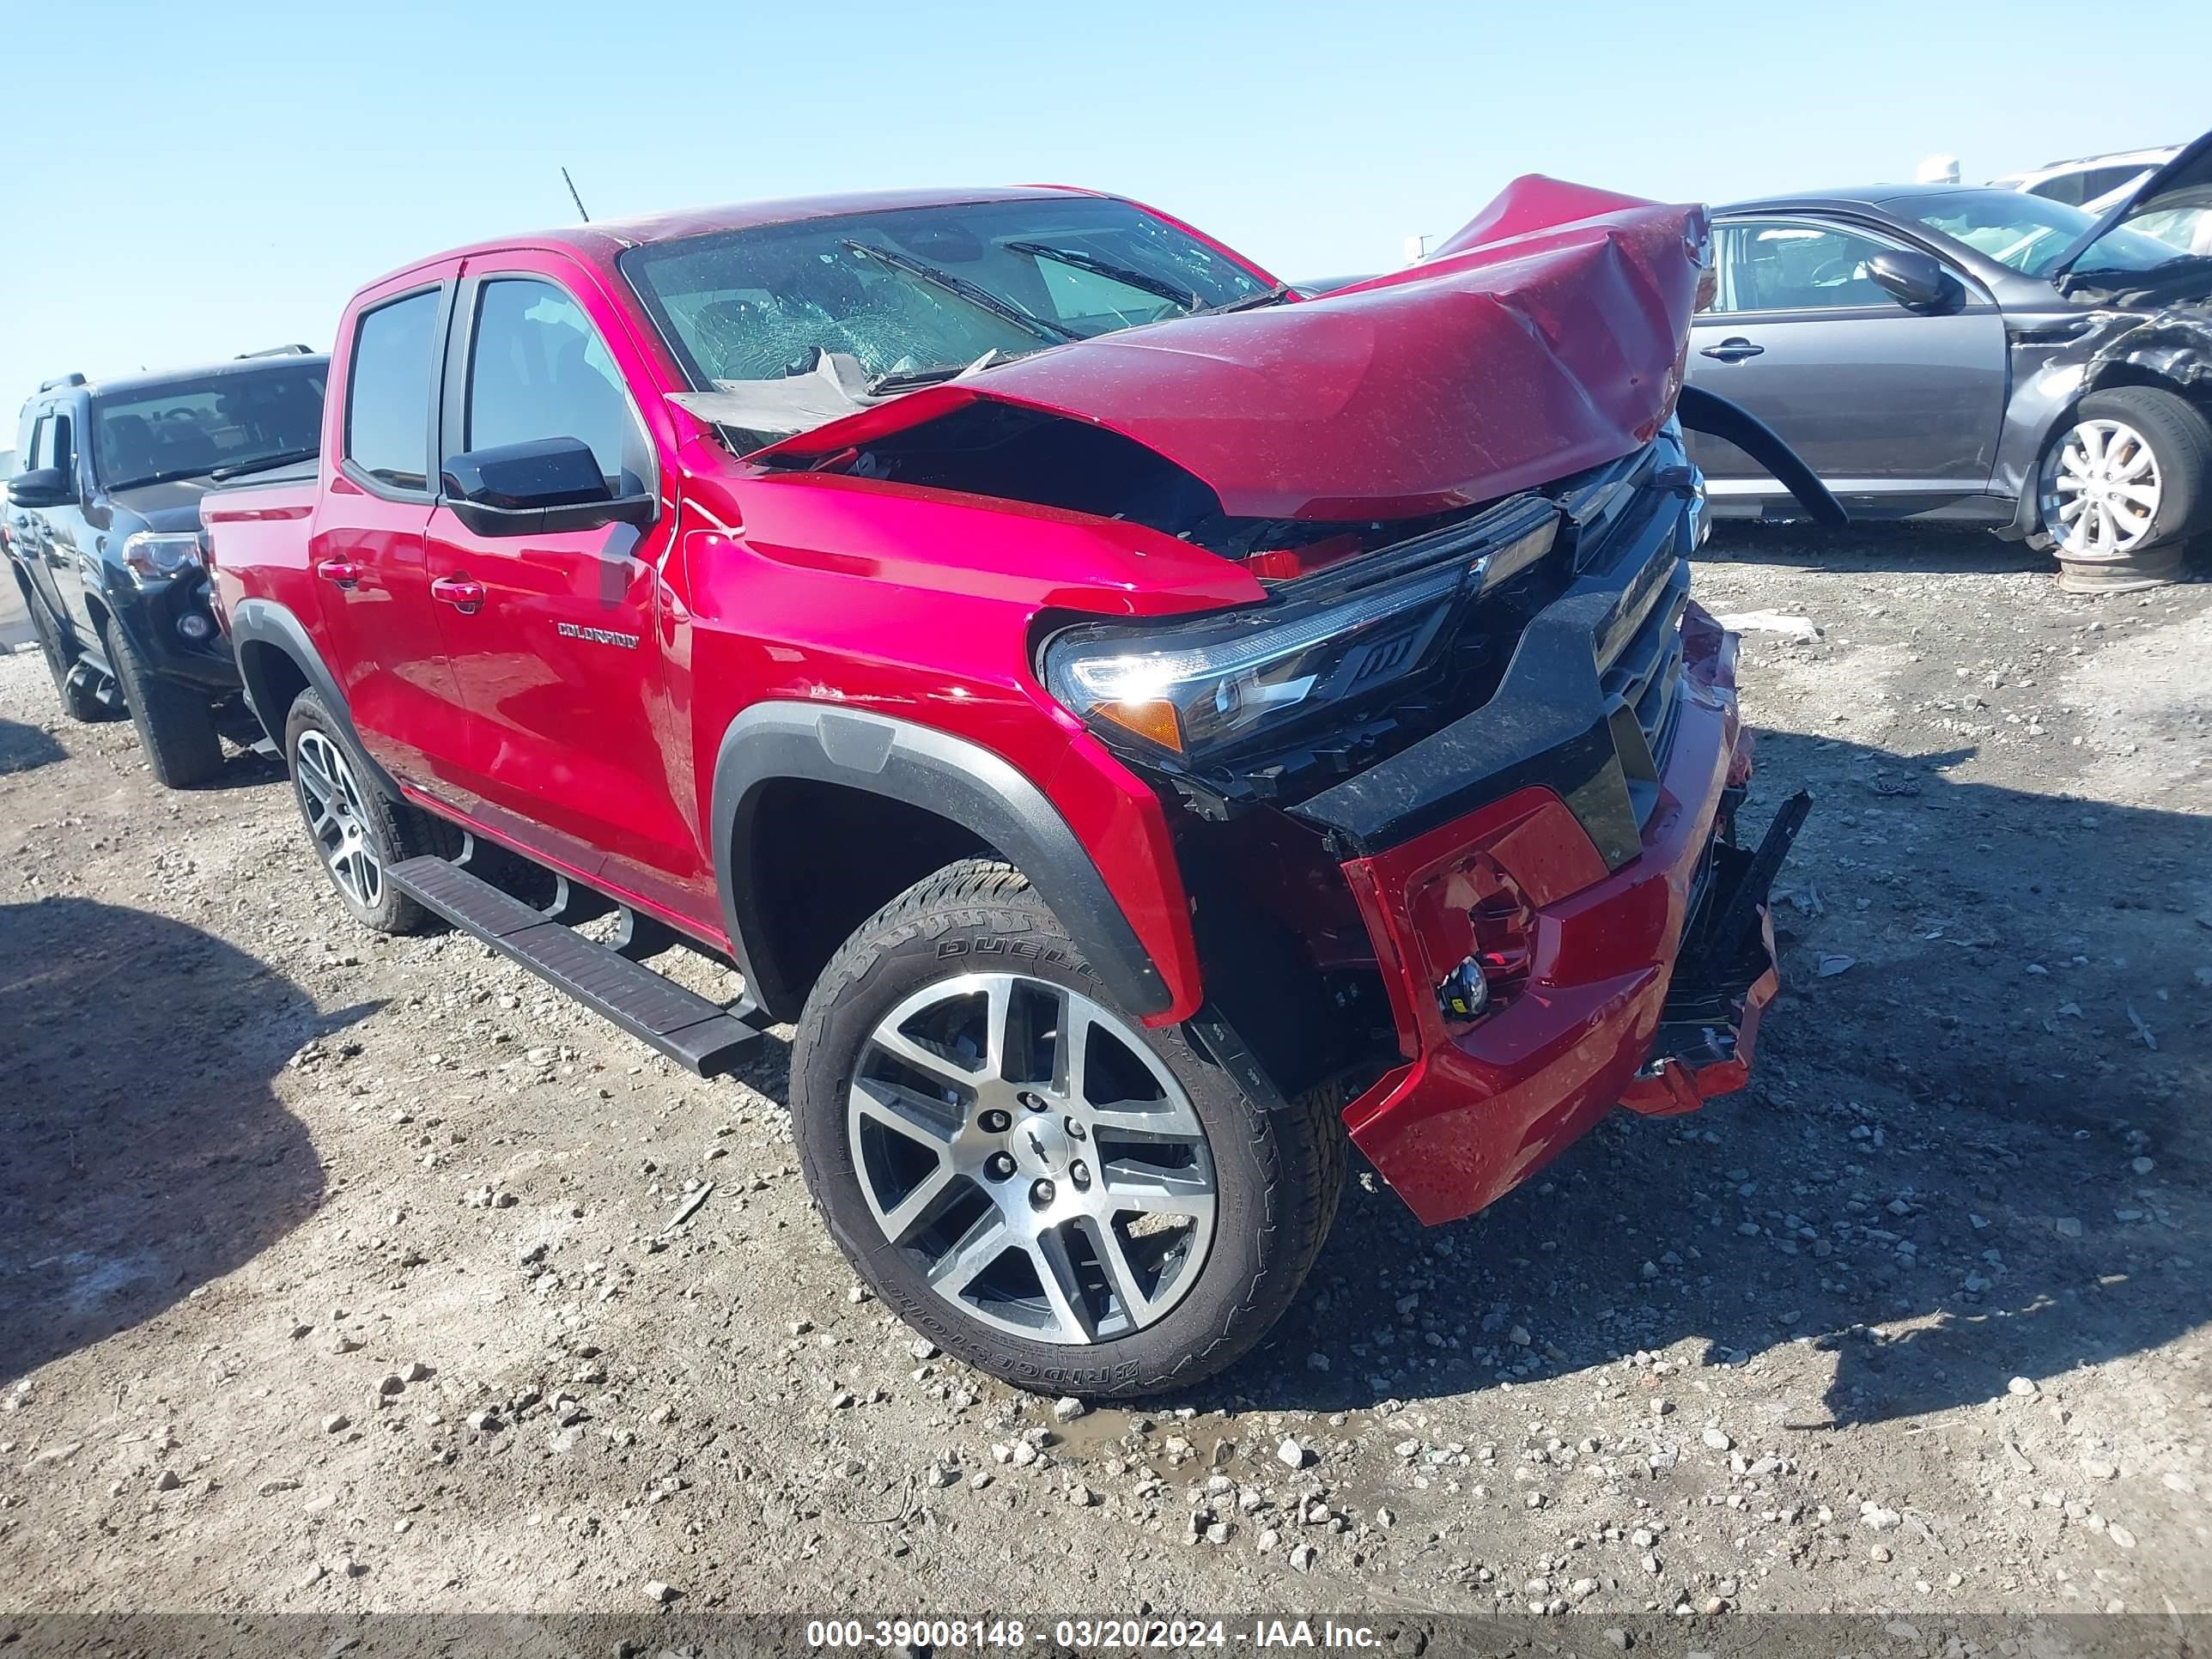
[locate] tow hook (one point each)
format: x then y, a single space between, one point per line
1463 992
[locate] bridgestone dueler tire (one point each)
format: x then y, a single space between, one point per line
396 829
176 725
1279 1174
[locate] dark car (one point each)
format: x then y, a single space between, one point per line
1977 354
103 533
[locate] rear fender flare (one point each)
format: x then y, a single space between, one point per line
264 622
923 767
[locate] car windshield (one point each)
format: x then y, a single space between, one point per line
189 428
2029 233
912 292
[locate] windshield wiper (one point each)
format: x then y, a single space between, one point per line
263 463
906 380
1075 259
1266 297
177 477
961 289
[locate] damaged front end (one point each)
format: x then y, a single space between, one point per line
1458 825
2142 278
1451 795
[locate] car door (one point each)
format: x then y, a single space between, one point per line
29 528
68 542
1887 404
366 549
554 634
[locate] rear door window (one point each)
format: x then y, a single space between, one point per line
395 349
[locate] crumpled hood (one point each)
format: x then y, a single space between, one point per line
1548 337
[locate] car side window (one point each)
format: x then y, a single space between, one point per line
387 433
539 369
2102 181
1795 265
50 444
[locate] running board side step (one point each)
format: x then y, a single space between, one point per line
701 1036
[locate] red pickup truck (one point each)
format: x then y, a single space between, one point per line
1143 729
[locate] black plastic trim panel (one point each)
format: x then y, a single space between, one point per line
1551 723
955 778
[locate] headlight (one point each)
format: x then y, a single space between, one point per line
153 557
1193 689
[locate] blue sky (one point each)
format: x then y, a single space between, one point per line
213 178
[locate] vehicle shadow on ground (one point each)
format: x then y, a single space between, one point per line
1937 1071
1937 550
1888 546
146 1153
26 748
247 770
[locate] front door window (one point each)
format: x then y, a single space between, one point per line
1795 266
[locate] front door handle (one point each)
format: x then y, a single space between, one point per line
1734 350
464 595
345 572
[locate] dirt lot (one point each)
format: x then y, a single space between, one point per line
337 1272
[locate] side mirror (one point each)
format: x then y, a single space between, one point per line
533 488
42 486
1915 280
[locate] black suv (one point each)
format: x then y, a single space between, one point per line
103 531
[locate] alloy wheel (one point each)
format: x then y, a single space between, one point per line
337 818
1031 1157
2100 491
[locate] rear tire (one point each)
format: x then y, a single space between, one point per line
176 726
76 699
358 831
1176 1247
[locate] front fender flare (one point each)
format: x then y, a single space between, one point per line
920 765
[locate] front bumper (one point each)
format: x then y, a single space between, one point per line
152 615
1477 1106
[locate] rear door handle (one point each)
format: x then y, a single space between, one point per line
345 572
464 595
1733 351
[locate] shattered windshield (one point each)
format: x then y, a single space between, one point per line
911 293
2030 234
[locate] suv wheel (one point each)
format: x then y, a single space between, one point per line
176 726
1051 1191
2122 485
357 831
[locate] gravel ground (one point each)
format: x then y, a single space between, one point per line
343 1273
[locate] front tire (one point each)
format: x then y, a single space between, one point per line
358 832
2121 486
176 726
1101 1213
